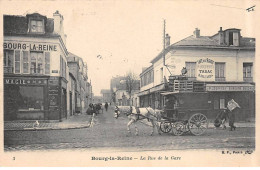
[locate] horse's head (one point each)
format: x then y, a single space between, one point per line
117 112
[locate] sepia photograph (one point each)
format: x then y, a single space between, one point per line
129 83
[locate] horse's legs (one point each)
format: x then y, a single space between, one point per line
129 124
151 120
155 125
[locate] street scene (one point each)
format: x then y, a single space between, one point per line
106 76
110 133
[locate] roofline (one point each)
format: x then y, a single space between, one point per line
146 70
159 56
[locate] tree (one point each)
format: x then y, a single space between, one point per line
131 80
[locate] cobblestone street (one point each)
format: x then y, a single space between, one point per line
110 133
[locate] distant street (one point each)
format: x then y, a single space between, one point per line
110 133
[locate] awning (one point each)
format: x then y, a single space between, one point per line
230 87
142 93
158 88
169 93
182 92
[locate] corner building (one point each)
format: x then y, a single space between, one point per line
35 68
219 68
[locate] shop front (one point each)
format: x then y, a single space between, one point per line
243 94
34 98
25 98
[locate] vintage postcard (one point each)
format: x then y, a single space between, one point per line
129 83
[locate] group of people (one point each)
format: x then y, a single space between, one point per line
96 108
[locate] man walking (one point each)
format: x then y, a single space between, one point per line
106 106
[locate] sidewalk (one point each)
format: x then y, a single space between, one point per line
73 122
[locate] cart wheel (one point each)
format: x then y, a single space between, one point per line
198 123
178 128
165 127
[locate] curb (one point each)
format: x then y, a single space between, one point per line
53 128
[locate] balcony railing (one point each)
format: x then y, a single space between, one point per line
248 79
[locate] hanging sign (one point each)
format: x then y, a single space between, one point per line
205 70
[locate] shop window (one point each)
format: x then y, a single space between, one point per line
47 63
222 104
191 69
32 98
36 63
216 104
25 62
36 26
8 61
247 69
17 61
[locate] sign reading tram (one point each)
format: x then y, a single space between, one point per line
205 70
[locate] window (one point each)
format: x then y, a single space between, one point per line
8 61
161 76
31 98
191 69
36 63
25 62
219 70
47 63
216 104
235 39
222 104
17 61
247 69
62 67
230 38
36 26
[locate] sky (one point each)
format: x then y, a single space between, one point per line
129 34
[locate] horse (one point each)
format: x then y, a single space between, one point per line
134 114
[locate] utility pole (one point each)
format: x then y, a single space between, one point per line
164 42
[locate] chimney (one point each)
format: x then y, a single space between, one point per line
57 22
167 40
58 25
221 36
196 33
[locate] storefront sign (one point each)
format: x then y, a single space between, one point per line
231 87
24 81
205 70
30 46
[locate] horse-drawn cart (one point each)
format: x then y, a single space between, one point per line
183 113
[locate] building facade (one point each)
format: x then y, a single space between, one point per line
35 68
78 70
220 66
120 94
106 95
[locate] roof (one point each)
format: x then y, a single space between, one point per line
193 41
18 25
210 42
146 70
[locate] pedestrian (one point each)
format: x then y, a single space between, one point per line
233 108
221 119
106 106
